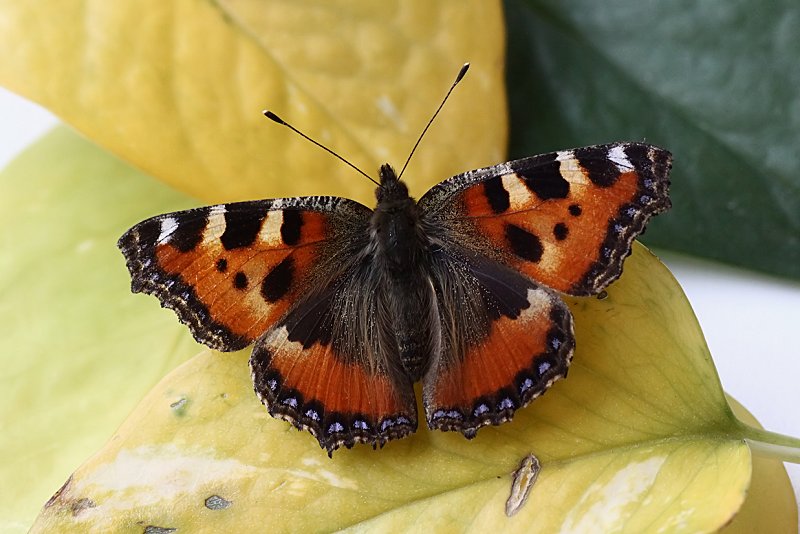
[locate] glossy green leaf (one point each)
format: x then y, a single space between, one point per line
177 88
638 437
78 350
714 82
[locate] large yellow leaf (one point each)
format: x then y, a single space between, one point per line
638 437
177 87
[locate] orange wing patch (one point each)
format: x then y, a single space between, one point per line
516 362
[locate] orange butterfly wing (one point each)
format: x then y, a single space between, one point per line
231 271
325 369
283 272
566 219
506 340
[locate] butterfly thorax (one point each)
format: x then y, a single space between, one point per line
401 256
400 242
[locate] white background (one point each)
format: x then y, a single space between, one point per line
749 319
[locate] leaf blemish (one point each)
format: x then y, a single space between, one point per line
215 502
179 406
522 481
81 505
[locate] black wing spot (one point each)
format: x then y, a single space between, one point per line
523 243
240 280
561 231
243 223
601 171
575 210
277 283
290 228
222 265
189 232
496 194
546 181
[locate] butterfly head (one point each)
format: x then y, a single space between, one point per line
391 191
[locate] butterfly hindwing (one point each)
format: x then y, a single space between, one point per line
506 340
566 219
230 271
328 368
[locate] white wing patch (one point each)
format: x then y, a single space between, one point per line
216 225
620 159
271 228
168 226
570 169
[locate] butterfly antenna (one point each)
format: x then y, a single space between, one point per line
461 74
270 115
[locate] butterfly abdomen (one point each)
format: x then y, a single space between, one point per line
415 322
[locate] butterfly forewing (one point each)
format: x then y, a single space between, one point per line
566 219
231 271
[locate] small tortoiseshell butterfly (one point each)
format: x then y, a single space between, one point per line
349 307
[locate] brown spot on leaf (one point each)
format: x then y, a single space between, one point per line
80 505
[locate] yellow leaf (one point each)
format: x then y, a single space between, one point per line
638 437
177 88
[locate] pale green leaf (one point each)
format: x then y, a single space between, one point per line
78 350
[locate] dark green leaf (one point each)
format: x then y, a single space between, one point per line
717 83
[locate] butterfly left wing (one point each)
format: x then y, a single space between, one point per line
566 219
231 271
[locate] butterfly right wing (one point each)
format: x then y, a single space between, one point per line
507 236
566 219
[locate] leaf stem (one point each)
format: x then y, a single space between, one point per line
771 444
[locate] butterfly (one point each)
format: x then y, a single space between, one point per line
347 307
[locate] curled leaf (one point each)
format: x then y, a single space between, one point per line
770 505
